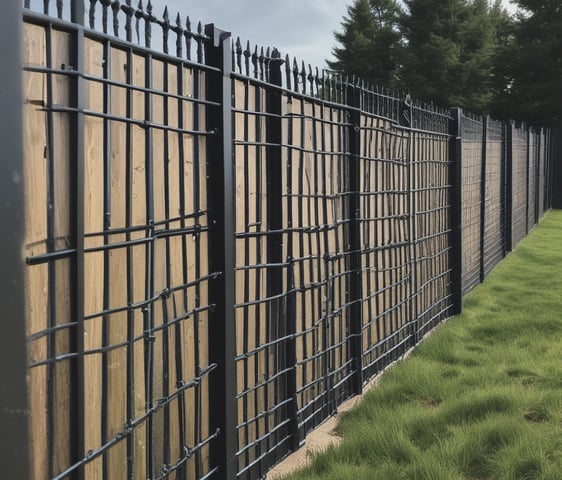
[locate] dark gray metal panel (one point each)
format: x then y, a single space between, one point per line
13 384
356 315
455 173
222 347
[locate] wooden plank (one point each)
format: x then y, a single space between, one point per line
159 264
175 263
63 403
139 256
94 261
36 277
116 374
205 334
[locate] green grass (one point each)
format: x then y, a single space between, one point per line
479 399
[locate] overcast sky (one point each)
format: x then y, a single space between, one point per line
301 28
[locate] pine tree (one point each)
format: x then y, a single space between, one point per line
529 65
369 42
447 58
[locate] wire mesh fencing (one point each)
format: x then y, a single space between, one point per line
223 245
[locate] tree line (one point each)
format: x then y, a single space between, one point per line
467 53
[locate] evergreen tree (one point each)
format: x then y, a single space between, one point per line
369 42
529 65
448 53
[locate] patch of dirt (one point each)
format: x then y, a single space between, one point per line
535 416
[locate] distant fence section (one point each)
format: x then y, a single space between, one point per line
222 244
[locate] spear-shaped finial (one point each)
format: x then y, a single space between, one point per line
303 77
239 54
255 61
288 71
92 13
247 54
296 74
116 6
188 34
165 24
199 42
179 33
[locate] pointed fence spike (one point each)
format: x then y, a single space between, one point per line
165 24
239 54
264 69
59 8
129 12
138 15
255 61
92 13
116 6
247 54
188 34
179 33
288 71
199 42
310 79
295 75
303 77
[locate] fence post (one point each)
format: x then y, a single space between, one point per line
455 182
555 168
14 456
483 197
356 318
528 169
509 186
222 344
282 316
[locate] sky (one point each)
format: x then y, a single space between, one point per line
302 28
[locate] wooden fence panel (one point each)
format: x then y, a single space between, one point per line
471 199
384 224
494 212
519 150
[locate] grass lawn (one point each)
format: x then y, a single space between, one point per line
482 397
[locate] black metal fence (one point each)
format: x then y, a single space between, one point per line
223 245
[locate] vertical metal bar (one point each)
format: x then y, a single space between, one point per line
14 446
50 215
555 171
527 179
222 346
412 235
538 147
509 187
503 188
78 99
483 197
355 311
148 311
130 351
107 241
196 196
455 198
